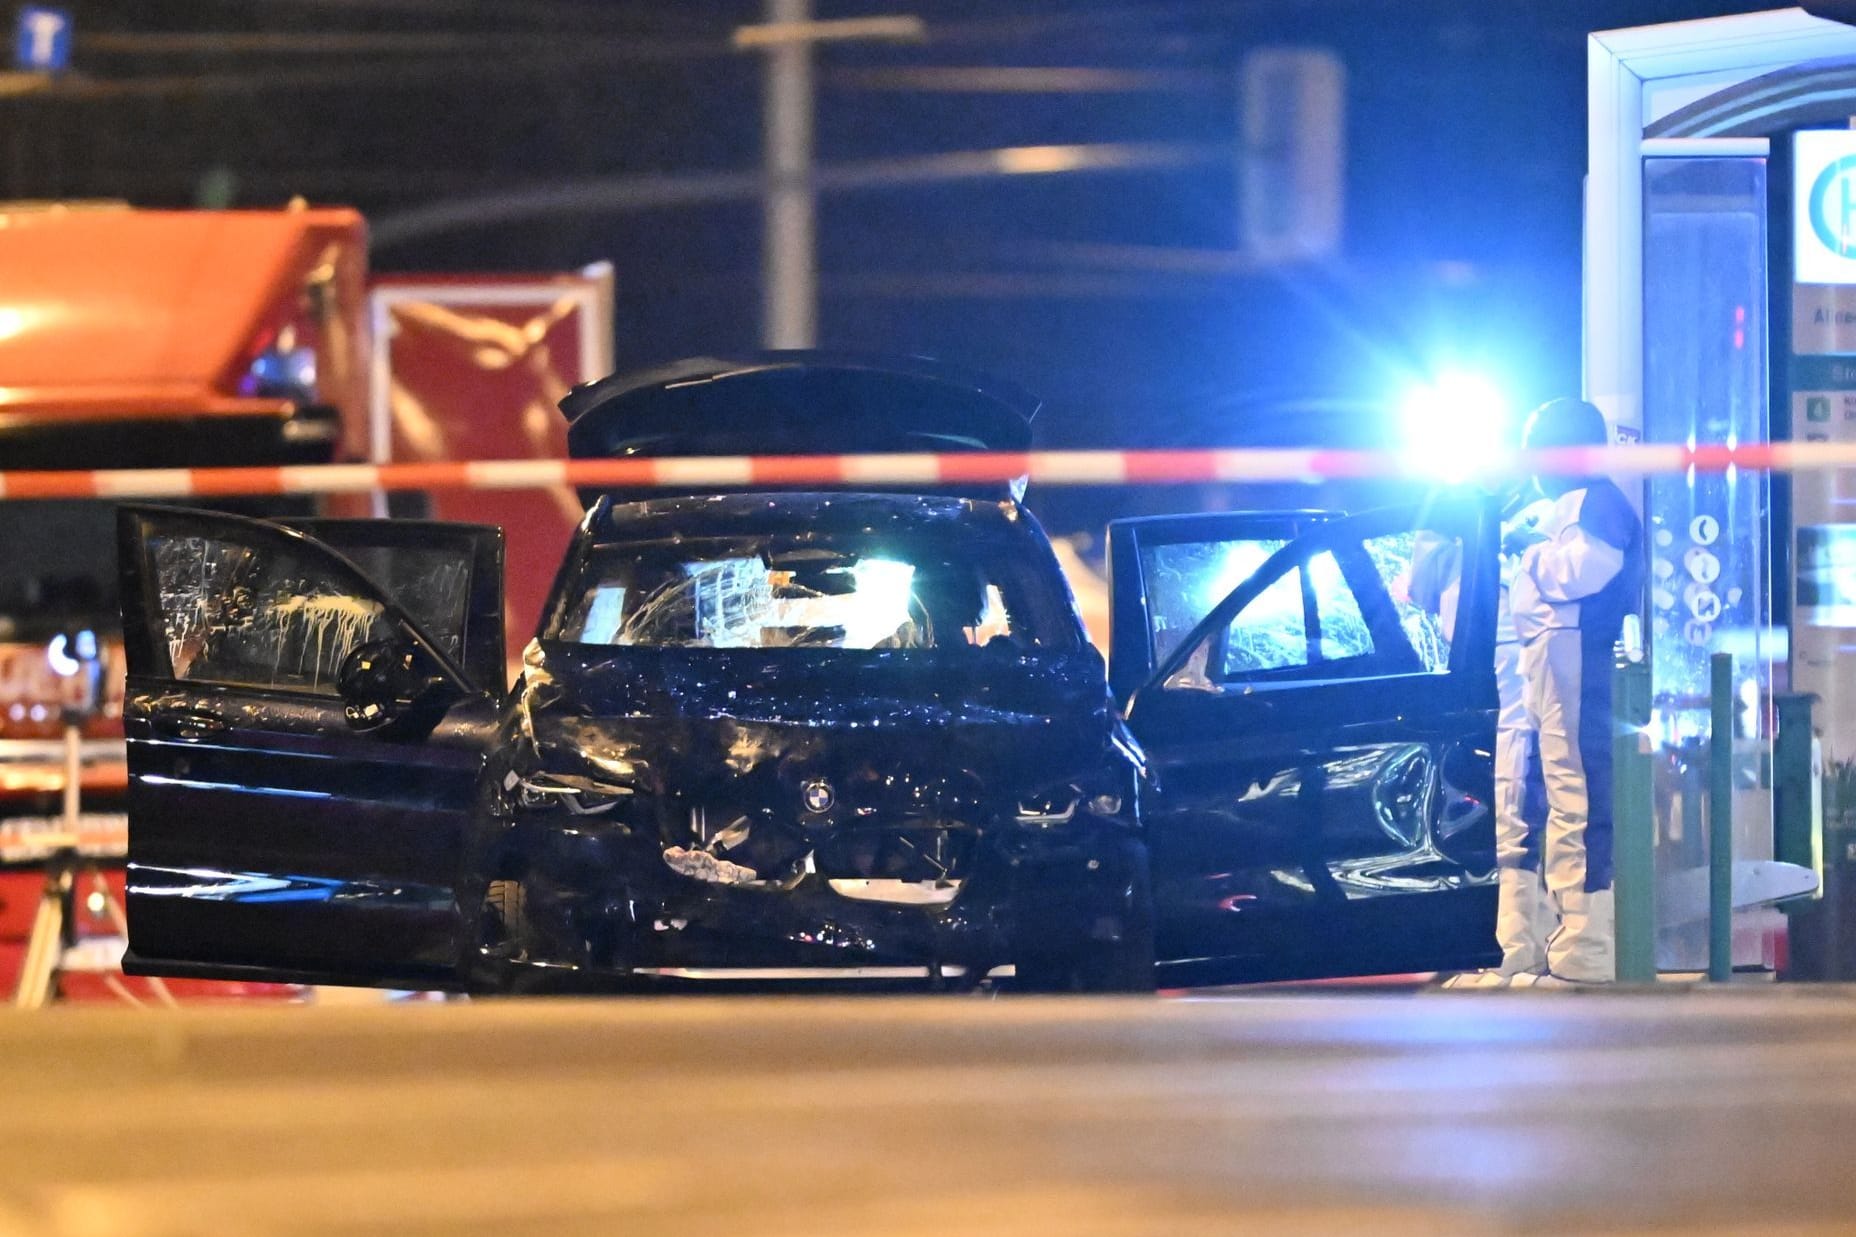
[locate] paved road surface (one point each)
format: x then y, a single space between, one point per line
1532 1111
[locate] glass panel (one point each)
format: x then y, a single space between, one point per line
1312 624
257 617
1710 587
1186 580
1422 571
1705 382
1344 633
788 597
1823 410
1271 633
432 586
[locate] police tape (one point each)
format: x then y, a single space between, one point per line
1044 468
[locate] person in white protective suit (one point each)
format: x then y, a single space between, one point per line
1523 914
1580 573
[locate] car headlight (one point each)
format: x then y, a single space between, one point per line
581 796
1049 807
1057 805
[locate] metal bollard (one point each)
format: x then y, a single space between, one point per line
1634 840
1721 820
1798 830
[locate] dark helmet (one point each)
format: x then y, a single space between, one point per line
1565 423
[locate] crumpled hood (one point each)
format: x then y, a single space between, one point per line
940 724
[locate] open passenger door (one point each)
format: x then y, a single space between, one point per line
307 718
1322 741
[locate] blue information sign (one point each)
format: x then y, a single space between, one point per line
43 42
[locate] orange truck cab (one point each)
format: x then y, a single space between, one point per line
144 339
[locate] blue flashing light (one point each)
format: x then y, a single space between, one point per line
1454 426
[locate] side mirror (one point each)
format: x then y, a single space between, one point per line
387 685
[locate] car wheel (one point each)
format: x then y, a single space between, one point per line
1123 964
508 902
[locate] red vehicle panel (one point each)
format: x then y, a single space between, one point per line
472 367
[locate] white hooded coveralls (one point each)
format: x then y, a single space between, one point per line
1569 597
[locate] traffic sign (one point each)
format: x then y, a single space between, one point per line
42 43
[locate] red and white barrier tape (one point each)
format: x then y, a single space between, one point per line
788 471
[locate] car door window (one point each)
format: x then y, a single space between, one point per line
257 613
1272 632
444 577
1422 571
1185 579
1306 617
1380 604
431 585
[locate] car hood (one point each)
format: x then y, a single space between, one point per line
693 719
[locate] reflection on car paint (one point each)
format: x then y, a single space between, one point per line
258 887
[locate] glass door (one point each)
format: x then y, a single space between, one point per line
1705 382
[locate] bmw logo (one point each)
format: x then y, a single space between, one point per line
817 795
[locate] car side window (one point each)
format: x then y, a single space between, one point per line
1307 617
1357 609
257 614
1271 633
1184 580
431 585
1422 571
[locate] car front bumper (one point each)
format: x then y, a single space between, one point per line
601 903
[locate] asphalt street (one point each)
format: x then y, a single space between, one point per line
1433 1112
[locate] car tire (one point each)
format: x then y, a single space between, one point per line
1128 967
1123 964
508 901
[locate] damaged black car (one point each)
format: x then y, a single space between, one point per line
772 737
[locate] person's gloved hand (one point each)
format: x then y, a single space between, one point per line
1516 540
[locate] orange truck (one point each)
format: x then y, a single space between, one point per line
146 339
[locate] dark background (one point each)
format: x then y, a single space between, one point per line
1116 295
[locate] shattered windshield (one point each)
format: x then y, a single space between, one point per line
806 591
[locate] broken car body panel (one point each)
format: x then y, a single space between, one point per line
794 771
775 735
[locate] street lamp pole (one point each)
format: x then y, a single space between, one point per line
789 244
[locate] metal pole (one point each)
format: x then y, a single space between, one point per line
53 921
1721 820
789 258
1635 841
73 778
1797 838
